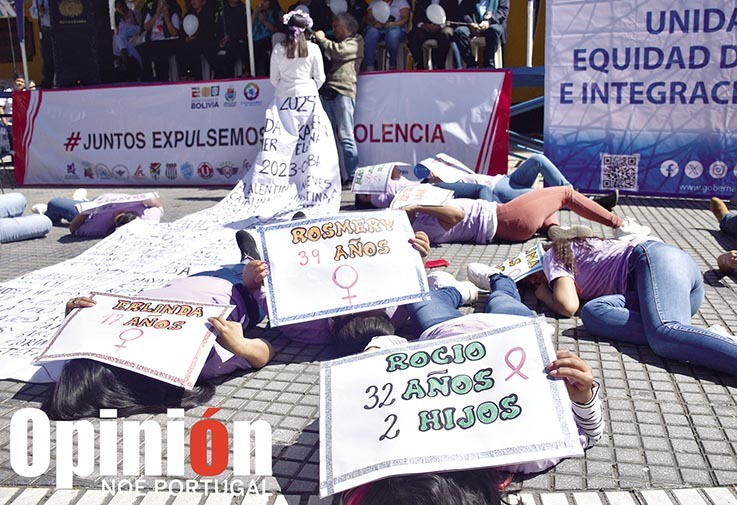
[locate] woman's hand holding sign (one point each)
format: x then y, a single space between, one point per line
256 351
78 302
577 374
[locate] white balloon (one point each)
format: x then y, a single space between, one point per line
338 6
436 14
190 24
302 8
381 11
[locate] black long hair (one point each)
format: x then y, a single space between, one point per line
470 487
86 386
352 333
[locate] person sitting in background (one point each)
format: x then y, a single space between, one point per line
127 25
358 9
318 10
232 37
14 225
98 223
266 22
425 30
480 18
6 107
393 31
161 24
200 44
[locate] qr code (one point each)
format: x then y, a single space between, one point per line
619 171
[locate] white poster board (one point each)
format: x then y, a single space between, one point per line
373 179
340 264
445 167
421 194
524 264
461 402
168 340
110 200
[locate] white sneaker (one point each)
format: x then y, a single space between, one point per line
631 227
721 330
39 208
479 274
442 279
80 195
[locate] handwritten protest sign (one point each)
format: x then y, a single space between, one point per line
374 178
110 200
340 264
445 167
468 401
164 339
524 264
421 194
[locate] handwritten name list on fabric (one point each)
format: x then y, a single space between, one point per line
460 402
669 62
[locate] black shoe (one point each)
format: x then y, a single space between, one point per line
298 215
608 201
247 245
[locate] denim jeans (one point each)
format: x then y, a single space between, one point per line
444 302
14 226
392 37
728 224
669 290
62 208
469 190
340 112
524 177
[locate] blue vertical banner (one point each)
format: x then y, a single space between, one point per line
641 95
19 18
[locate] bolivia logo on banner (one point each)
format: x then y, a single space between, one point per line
209 133
641 96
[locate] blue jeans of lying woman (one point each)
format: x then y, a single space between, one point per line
511 186
14 225
667 291
443 304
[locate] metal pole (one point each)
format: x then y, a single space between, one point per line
530 31
249 27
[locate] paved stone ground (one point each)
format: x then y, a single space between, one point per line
672 427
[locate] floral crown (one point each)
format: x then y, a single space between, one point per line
302 13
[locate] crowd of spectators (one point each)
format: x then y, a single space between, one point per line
158 40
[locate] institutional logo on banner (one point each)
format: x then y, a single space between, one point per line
171 171
228 170
653 112
71 171
205 170
251 91
120 172
103 172
154 170
139 173
187 170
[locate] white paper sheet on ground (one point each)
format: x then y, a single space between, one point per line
168 340
445 167
340 264
460 402
421 194
374 178
108 200
524 264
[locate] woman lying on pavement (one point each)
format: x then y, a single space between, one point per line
439 318
641 292
86 386
478 221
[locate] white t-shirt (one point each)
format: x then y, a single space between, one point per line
157 32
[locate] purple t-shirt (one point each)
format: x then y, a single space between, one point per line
100 224
602 266
479 225
207 289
